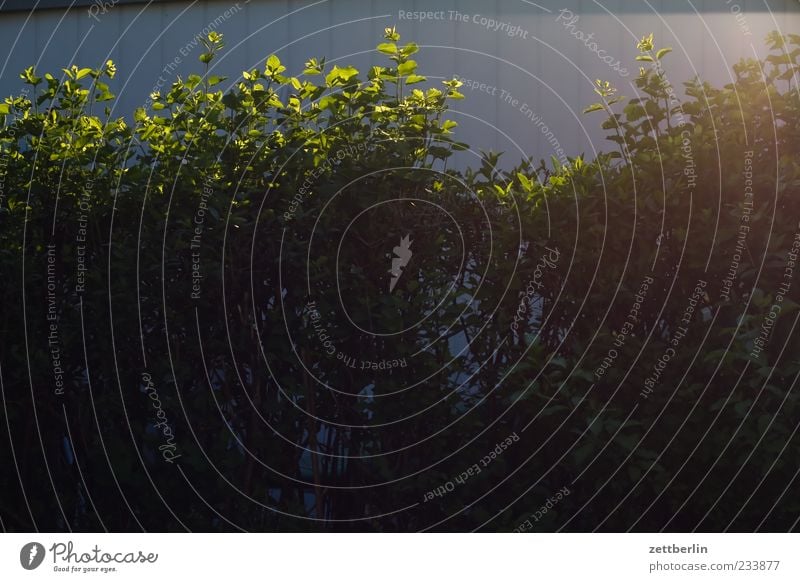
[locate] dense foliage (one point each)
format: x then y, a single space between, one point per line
198 330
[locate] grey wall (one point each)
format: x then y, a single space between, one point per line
550 71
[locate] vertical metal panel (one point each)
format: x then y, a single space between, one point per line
19 46
56 40
266 26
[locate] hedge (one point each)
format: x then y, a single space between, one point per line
200 330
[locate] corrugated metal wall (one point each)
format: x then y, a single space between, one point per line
543 66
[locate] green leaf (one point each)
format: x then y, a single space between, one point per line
645 58
439 152
449 124
593 107
662 52
411 79
409 49
390 33
387 48
407 68
525 181
634 112
29 77
273 64
340 74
